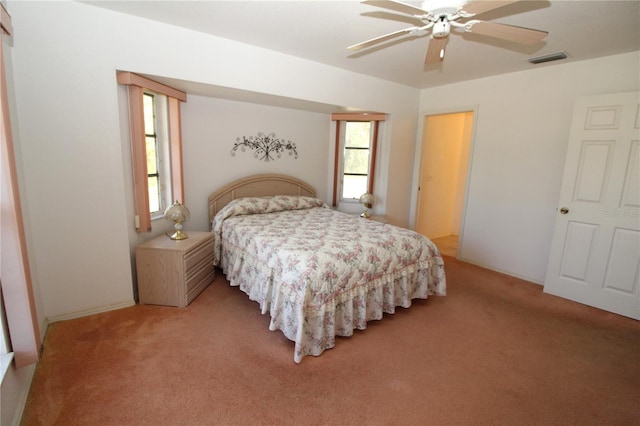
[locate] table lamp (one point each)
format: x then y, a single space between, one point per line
177 213
366 200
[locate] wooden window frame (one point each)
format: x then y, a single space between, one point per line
16 282
137 84
376 118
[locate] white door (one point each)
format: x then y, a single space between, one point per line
595 253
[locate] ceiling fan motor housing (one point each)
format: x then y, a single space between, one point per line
441 28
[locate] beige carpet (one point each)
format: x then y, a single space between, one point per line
495 351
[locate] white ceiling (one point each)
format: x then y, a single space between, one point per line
320 31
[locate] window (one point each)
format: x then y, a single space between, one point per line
4 342
151 138
6 356
355 155
158 153
357 159
156 142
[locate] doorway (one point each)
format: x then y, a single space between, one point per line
444 163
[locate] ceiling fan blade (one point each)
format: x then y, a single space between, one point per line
435 52
476 7
380 39
506 32
397 6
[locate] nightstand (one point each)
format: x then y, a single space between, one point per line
379 218
174 272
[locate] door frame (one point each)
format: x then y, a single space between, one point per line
417 165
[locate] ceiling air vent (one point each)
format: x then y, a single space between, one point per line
548 58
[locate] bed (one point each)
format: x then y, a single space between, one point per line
317 272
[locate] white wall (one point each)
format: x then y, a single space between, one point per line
75 157
210 128
520 143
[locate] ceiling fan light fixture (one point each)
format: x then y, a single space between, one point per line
438 5
548 58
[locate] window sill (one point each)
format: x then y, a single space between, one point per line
5 362
157 216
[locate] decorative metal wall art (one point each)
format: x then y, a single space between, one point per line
265 147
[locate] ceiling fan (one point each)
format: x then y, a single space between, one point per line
443 16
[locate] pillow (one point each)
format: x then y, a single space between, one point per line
258 205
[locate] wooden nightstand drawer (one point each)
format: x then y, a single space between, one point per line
198 254
198 275
199 283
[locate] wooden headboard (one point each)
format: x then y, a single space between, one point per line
258 186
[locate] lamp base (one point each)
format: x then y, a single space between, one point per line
365 214
178 235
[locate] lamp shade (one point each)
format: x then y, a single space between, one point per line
366 200
177 213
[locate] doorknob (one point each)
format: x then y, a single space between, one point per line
564 210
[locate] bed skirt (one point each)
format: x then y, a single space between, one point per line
313 327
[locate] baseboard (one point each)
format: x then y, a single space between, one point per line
93 311
511 274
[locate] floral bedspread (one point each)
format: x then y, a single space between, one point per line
320 273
